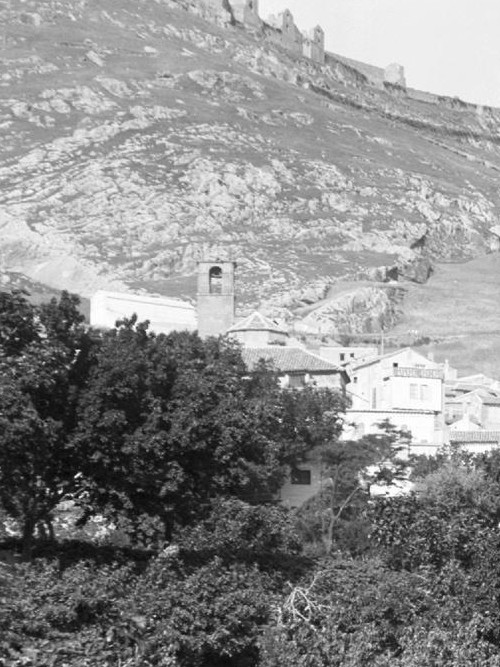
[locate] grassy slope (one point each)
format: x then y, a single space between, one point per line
460 308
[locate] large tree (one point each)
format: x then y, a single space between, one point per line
41 351
170 422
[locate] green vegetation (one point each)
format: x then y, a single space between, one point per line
176 452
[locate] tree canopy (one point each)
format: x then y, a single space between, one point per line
169 422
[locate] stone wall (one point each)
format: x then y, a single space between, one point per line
246 12
395 74
314 45
285 32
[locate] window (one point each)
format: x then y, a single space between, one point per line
352 355
342 356
215 280
355 379
297 380
424 392
374 398
395 365
300 476
414 392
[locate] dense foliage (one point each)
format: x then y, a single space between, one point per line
174 442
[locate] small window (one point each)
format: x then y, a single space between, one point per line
355 379
395 364
300 476
352 355
342 356
297 380
414 392
424 392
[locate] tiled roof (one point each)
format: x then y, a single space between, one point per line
257 322
372 360
475 436
492 400
289 359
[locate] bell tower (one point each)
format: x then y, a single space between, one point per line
215 297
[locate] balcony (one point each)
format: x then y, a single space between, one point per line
423 373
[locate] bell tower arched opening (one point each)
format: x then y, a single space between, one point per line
215 280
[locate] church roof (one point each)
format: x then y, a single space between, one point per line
289 359
257 322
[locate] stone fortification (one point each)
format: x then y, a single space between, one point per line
285 32
314 44
395 75
246 12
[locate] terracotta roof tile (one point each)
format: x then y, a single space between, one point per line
475 436
289 359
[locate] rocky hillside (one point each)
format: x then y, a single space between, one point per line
138 137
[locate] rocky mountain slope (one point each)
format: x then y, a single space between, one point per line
137 138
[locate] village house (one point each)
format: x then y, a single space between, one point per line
472 413
403 387
350 354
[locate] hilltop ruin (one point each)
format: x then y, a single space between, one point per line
282 30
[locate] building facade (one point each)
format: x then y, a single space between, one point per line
403 387
164 314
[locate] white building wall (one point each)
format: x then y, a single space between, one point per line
491 417
377 386
422 425
164 314
416 393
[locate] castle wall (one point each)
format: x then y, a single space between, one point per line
285 32
246 12
395 74
217 11
314 45
374 74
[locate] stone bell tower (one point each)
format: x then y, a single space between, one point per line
215 298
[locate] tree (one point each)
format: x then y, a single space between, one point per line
170 422
453 518
40 372
351 468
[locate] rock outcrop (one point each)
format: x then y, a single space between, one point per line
138 137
